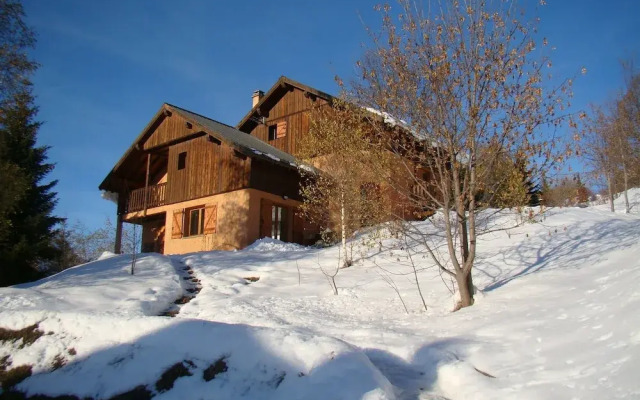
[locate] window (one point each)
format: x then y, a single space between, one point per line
273 132
278 223
182 160
277 131
195 221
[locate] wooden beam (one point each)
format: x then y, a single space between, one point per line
146 184
117 248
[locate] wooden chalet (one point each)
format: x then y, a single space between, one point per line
196 184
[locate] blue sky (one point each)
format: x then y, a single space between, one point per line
107 66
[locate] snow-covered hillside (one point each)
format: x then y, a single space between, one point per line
557 318
633 195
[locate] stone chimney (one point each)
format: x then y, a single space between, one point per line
256 96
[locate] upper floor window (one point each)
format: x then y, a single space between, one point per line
273 131
277 131
182 160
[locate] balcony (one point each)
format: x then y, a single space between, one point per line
419 191
152 196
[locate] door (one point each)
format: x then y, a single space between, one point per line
275 221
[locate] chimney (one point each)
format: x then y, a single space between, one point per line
256 96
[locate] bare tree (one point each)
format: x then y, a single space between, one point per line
344 193
468 81
613 138
626 132
598 148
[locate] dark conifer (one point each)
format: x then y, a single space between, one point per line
27 246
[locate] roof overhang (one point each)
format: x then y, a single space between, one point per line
279 89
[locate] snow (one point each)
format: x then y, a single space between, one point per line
619 204
105 255
105 285
111 196
557 318
393 122
388 118
271 156
269 244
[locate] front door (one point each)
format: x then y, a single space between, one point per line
275 221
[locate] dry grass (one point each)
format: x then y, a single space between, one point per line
169 376
58 362
5 363
13 376
214 369
138 393
28 335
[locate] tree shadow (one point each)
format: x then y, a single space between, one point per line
417 378
563 250
259 363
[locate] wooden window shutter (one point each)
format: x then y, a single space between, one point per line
281 131
210 219
176 229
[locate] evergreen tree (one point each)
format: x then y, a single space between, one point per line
27 226
15 39
28 244
532 188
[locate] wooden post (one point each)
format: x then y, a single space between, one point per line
118 245
146 184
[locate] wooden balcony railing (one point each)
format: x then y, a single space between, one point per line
154 196
419 191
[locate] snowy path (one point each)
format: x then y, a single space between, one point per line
190 288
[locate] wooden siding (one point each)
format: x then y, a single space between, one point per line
211 167
275 179
292 109
170 128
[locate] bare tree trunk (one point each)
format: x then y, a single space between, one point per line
465 286
610 188
134 256
463 277
626 185
347 262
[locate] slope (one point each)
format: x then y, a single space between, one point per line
556 318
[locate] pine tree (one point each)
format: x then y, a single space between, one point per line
28 244
15 39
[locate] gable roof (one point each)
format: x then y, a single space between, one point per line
274 94
242 142
245 143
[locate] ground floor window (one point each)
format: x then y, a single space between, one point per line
278 223
195 221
